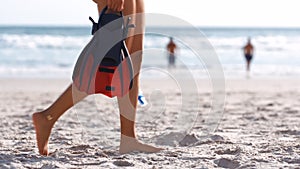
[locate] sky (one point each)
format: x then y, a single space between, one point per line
212 13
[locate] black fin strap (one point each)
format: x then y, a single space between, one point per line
95 25
129 62
127 27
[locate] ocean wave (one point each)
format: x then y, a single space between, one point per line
230 70
268 43
42 41
41 71
36 52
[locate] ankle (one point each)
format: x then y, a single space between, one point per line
129 140
47 117
125 136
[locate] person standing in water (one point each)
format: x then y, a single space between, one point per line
248 53
171 47
44 121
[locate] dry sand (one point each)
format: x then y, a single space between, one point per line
260 127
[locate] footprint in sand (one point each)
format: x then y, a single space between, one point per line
122 163
227 163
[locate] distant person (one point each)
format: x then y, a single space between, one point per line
248 53
171 47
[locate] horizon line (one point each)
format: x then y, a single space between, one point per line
155 26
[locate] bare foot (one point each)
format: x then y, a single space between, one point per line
129 144
43 129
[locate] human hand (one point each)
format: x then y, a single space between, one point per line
115 5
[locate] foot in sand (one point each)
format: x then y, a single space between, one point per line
43 129
130 144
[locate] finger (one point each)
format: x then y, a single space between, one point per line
109 4
121 8
115 7
118 7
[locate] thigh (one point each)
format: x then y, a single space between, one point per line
129 11
137 36
140 6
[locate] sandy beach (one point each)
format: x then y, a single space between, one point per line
260 127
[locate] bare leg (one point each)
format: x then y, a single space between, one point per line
128 104
45 120
248 66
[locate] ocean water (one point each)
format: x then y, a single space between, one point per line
49 52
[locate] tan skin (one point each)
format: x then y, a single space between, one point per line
171 47
248 49
71 96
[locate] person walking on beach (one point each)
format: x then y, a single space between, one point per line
44 121
248 53
171 47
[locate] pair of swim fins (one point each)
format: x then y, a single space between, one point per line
104 66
